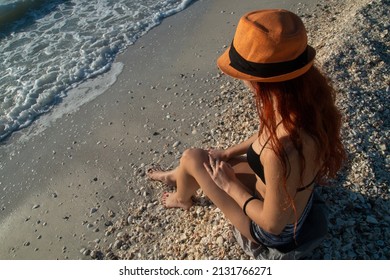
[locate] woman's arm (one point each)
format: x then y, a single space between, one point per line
273 213
233 151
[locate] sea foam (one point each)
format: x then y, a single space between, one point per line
51 47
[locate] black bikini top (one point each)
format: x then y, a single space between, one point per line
255 163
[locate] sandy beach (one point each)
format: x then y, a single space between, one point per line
78 189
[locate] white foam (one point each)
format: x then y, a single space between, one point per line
76 98
77 41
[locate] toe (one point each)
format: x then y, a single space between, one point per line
164 197
152 170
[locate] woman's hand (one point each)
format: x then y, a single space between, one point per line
221 172
218 154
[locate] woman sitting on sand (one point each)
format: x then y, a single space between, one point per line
268 193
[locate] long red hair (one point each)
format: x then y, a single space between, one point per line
308 103
305 103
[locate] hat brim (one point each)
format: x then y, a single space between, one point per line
223 63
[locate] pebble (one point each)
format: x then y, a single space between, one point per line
108 223
220 241
118 244
93 254
371 220
86 252
176 144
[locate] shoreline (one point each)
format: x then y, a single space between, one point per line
71 189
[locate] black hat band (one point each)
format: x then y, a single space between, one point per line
266 70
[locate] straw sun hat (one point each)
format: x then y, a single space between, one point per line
268 46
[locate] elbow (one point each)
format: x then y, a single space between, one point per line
273 229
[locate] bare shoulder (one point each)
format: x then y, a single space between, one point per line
290 155
273 162
308 146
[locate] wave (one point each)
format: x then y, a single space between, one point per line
61 44
12 11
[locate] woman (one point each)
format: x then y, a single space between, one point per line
268 194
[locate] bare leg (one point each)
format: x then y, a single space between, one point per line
191 175
186 187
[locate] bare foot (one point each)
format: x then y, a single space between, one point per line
157 174
170 200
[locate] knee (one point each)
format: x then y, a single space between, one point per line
193 156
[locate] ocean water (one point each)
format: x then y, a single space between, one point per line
47 48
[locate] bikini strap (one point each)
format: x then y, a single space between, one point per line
308 185
266 142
